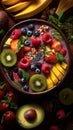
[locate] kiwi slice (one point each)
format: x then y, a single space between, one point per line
8 58
66 96
38 83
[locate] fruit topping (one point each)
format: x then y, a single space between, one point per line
24 63
27 43
36 42
37 82
56 45
29 33
16 34
30 115
61 114
45 69
47 39
31 26
51 58
8 58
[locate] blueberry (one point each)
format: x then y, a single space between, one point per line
25 87
29 33
33 67
39 65
37 33
22 80
31 26
27 43
23 31
37 71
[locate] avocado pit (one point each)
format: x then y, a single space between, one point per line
30 115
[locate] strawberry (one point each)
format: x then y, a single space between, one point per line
16 77
3 106
63 52
51 58
16 34
61 114
11 95
36 41
45 68
9 117
56 45
47 39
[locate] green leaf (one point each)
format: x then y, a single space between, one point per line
17 83
13 105
25 74
56 34
60 57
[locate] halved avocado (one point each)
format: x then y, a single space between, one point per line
30 122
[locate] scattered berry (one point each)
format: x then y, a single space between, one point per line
22 80
31 26
3 106
29 33
39 65
25 87
27 43
16 34
36 41
24 63
37 33
54 127
61 114
37 71
45 69
46 38
23 31
33 67
12 96
51 58
63 52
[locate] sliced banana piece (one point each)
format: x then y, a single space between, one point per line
58 66
57 73
49 83
19 6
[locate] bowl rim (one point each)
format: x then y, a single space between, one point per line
66 43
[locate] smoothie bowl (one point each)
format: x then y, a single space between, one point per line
34 57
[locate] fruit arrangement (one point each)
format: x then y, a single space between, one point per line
21 9
33 57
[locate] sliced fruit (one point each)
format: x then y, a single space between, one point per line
48 48
8 58
38 83
30 116
66 96
64 65
56 45
51 58
8 42
60 68
14 45
16 77
18 6
57 72
53 78
49 83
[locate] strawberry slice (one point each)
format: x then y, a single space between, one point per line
56 45
16 77
51 58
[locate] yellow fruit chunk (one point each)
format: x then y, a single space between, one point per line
8 41
58 66
49 83
53 78
48 48
57 72
64 65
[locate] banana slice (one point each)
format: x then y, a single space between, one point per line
19 6
58 66
35 7
9 2
49 83
54 78
64 65
57 72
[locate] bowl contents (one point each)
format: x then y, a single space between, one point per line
30 116
34 56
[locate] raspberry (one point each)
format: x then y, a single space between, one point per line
46 38
45 68
16 34
35 42
24 63
61 114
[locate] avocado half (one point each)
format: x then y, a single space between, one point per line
22 120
